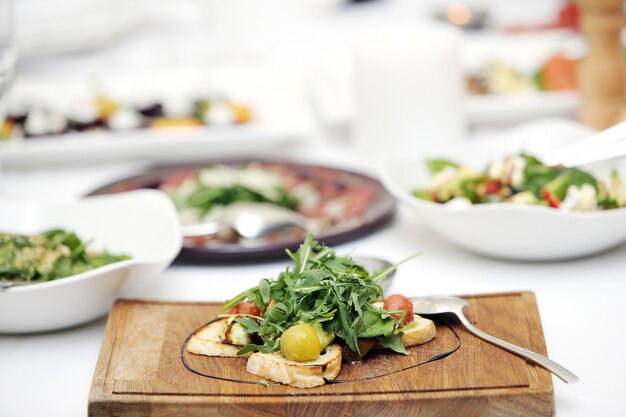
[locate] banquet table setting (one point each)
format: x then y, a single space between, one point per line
179 176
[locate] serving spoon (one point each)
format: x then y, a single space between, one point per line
606 144
455 305
252 221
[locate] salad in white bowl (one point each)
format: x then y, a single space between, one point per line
116 246
522 179
496 198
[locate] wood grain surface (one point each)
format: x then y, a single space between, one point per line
144 370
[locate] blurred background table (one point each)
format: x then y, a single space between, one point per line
49 374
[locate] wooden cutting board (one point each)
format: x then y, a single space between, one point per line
144 370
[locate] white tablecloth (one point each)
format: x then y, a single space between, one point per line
580 301
580 304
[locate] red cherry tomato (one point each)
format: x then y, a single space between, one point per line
400 302
493 186
552 200
246 308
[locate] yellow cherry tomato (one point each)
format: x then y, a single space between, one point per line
300 343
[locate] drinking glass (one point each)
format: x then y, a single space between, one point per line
7 54
7 61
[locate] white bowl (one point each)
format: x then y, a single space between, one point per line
502 230
143 224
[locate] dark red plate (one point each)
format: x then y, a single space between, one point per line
379 209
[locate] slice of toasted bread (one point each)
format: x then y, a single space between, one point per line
420 331
208 341
275 367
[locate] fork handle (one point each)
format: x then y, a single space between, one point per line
563 373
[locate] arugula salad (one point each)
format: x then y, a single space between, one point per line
298 328
330 293
48 256
522 179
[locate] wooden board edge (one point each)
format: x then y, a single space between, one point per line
98 389
484 403
540 378
499 294
452 392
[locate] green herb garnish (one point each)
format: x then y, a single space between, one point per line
229 186
51 255
321 288
206 198
437 165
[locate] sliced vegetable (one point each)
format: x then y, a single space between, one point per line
553 200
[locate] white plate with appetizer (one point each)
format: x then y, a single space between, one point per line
512 78
496 198
509 78
164 116
65 264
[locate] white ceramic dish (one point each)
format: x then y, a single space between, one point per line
335 106
504 230
281 115
143 224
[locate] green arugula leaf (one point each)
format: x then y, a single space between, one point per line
423 195
437 165
537 175
264 290
375 325
249 325
321 288
393 342
250 347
